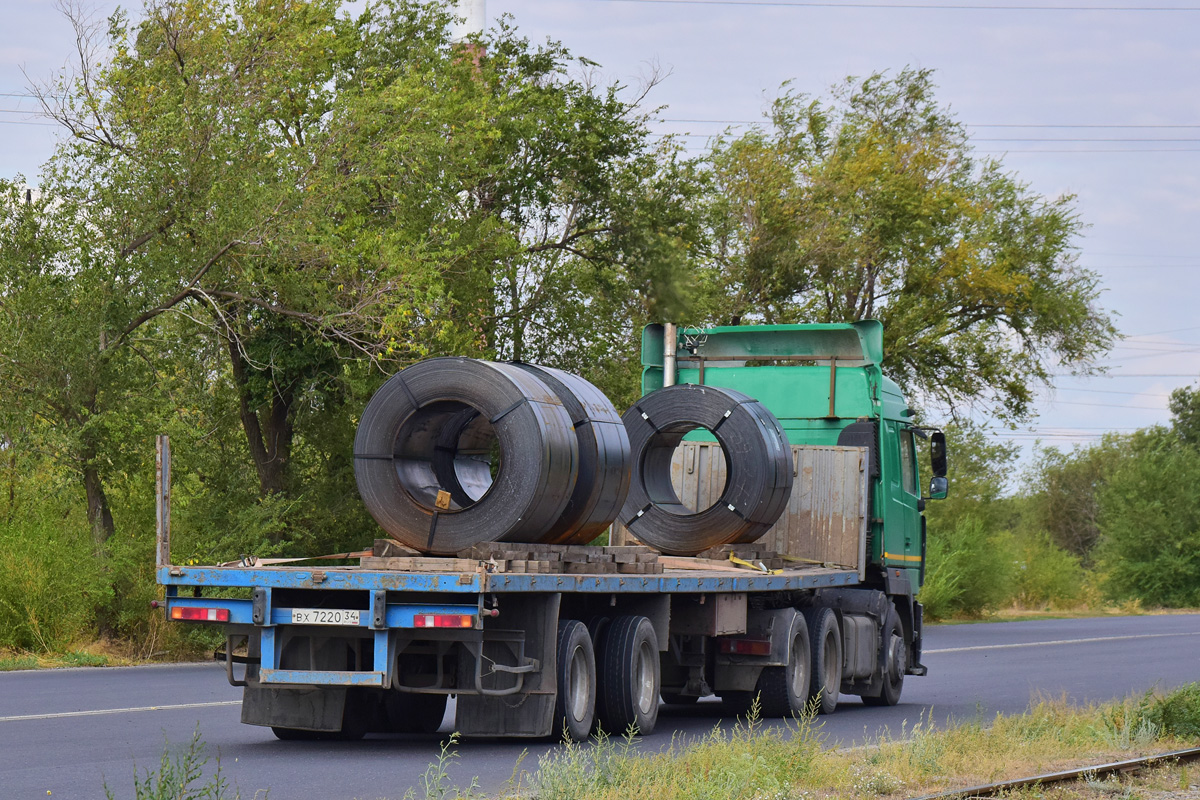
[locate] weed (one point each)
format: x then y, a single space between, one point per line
179 778
436 784
1177 713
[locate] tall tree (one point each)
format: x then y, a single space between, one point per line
316 188
873 205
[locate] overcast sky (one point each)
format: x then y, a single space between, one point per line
1103 104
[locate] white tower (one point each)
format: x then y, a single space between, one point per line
474 14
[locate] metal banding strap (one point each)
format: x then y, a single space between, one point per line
721 422
649 421
509 410
432 529
370 455
407 392
638 515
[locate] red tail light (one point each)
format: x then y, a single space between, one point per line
444 621
746 647
200 614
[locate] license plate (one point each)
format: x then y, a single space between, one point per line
325 616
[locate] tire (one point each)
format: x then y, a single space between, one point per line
825 640
893 659
575 704
629 681
785 690
409 712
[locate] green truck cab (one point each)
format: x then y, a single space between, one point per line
825 384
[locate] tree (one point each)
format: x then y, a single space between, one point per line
315 189
873 205
1185 412
1150 520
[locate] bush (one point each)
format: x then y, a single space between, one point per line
1045 573
1150 525
1177 714
969 570
53 583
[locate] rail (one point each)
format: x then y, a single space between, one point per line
1131 765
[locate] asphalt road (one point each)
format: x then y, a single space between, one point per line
67 733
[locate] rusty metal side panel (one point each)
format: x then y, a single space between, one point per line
826 518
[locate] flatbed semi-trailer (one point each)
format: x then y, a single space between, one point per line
822 605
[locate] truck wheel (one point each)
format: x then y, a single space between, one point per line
895 662
575 706
629 676
784 690
825 638
410 712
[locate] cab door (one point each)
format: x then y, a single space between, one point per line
902 520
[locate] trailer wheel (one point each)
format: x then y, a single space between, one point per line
895 662
575 706
629 676
784 690
825 638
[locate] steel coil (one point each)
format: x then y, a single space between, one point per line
603 480
452 452
757 456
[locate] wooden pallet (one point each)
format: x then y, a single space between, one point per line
519 558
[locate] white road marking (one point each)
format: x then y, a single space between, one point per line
100 711
1058 641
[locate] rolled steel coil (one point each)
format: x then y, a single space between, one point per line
453 452
757 456
603 443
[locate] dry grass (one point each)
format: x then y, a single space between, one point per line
751 762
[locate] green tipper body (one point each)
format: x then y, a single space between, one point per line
818 380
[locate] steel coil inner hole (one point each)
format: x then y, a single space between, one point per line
447 447
684 477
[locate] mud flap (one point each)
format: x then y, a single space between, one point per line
305 709
530 712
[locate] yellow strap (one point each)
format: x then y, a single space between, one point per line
760 567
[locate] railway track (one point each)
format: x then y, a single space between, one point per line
1066 776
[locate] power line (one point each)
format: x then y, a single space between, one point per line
1108 391
1100 405
966 124
908 6
1172 330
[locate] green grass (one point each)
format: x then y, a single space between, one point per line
14 660
8 663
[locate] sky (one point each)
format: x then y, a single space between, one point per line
1099 99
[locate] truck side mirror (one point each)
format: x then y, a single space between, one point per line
939 487
937 453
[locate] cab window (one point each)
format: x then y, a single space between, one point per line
908 462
